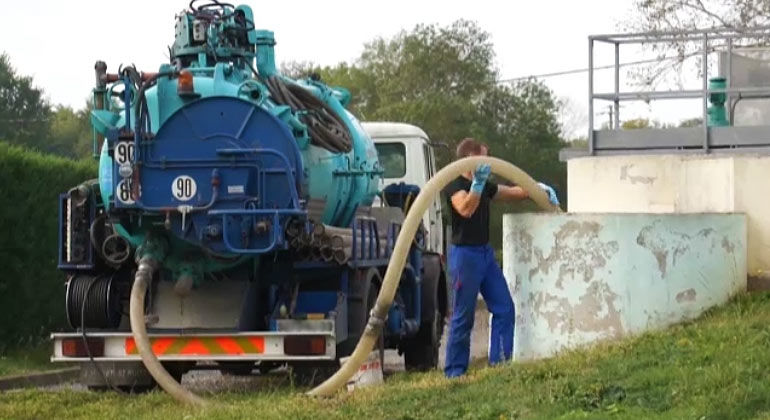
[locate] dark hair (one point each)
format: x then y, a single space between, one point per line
469 146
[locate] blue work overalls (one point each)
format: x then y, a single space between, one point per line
474 269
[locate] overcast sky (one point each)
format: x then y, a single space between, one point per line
57 42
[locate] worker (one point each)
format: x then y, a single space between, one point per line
472 264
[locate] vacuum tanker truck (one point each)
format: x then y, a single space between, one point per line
269 212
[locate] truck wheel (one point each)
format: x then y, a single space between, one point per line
364 288
236 368
128 377
421 351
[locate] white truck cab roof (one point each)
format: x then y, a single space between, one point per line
386 129
405 152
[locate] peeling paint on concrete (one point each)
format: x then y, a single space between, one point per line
577 251
727 245
686 296
579 278
625 176
663 241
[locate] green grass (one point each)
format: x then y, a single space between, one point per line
713 368
26 359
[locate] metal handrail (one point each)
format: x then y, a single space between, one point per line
704 36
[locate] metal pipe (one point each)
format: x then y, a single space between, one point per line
696 34
681 94
340 256
705 95
337 242
315 253
327 254
333 230
729 79
617 86
591 96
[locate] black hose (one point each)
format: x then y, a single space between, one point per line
89 300
92 234
326 128
85 337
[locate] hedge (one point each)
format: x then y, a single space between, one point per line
31 287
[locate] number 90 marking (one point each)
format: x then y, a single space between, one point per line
124 152
183 188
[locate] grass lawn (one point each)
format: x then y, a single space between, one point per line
717 367
33 358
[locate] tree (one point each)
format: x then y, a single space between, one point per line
677 15
24 112
443 79
432 76
681 15
70 132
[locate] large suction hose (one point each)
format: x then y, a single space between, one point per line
403 243
143 275
384 299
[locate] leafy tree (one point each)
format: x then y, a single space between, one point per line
681 15
676 15
443 79
24 112
70 132
435 77
639 123
691 122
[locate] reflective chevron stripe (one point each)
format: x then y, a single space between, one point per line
233 345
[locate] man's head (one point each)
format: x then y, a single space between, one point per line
471 147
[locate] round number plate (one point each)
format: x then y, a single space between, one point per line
124 152
124 191
183 188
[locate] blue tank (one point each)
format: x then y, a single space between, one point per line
218 156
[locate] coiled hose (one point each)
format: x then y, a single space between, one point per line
327 130
384 299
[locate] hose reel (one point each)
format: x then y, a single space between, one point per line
103 308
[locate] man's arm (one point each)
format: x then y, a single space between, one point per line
507 193
465 203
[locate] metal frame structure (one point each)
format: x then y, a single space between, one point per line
702 139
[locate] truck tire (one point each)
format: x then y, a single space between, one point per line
421 351
236 368
127 377
364 288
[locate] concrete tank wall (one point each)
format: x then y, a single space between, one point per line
679 184
579 278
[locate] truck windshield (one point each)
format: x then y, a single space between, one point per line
392 158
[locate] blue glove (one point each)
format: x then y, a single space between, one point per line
480 176
551 193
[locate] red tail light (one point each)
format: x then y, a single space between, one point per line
309 345
75 347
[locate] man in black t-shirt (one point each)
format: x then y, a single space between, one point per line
472 264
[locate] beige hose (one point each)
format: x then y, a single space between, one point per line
384 299
136 313
396 264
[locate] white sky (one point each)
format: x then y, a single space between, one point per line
57 42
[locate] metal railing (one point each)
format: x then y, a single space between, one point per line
706 38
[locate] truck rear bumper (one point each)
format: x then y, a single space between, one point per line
215 346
